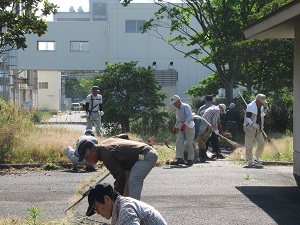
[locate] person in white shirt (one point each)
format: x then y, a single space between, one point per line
94 111
186 130
253 127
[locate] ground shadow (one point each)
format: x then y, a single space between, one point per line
280 203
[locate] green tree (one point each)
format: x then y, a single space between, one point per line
211 30
78 88
128 92
19 17
267 65
209 85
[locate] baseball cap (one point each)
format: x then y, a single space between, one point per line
174 99
232 105
95 88
83 148
97 193
89 132
208 98
223 106
261 98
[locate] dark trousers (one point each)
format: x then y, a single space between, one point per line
214 141
233 129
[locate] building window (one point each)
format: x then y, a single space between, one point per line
134 26
79 46
43 85
46 46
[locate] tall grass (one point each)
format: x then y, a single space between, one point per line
282 143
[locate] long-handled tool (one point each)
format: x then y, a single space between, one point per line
233 144
87 192
271 144
166 141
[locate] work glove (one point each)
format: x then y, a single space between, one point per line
216 132
150 142
255 125
101 113
174 130
87 114
220 127
183 127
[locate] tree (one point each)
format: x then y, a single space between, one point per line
78 88
267 65
209 85
18 18
128 92
210 28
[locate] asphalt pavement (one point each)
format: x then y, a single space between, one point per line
216 192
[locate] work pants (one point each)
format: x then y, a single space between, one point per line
188 136
136 176
251 136
94 120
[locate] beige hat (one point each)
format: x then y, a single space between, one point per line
261 98
174 99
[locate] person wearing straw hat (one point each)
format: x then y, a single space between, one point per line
253 127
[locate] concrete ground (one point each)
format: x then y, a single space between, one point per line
216 192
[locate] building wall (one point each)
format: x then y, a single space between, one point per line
49 98
108 41
62 33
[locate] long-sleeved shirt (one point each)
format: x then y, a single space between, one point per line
202 109
183 115
212 115
130 211
119 154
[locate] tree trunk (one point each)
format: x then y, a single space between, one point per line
229 91
125 126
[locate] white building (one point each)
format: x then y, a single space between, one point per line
79 41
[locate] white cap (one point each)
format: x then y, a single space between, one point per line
174 99
232 105
223 106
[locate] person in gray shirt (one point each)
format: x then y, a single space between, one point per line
208 103
107 202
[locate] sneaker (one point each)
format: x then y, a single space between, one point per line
189 163
251 163
256 161
177 162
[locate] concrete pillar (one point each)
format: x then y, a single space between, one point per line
296 107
